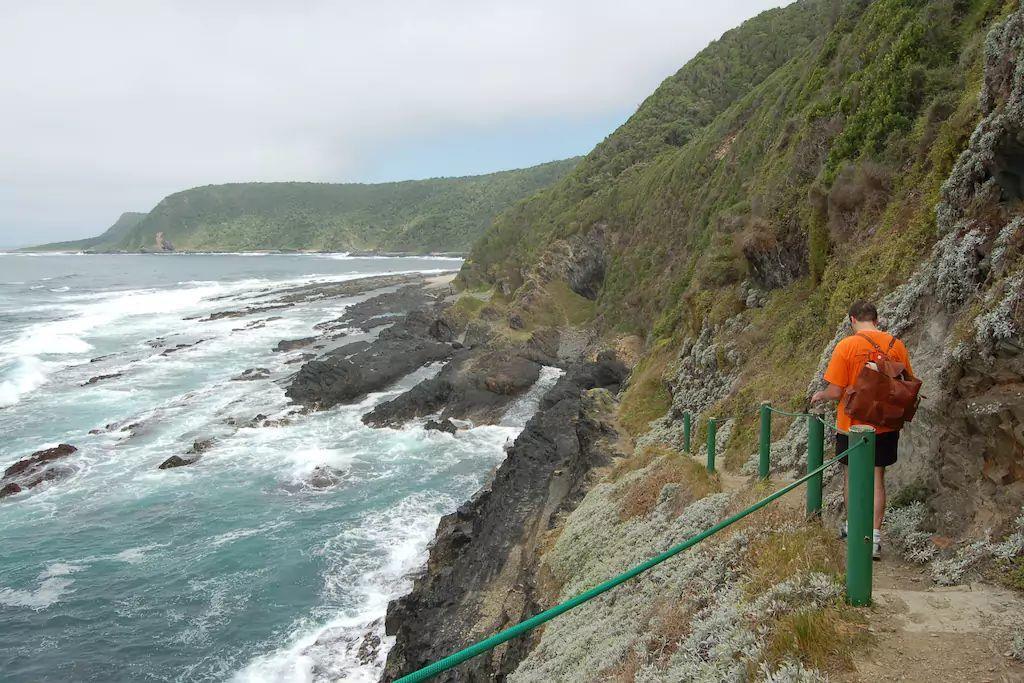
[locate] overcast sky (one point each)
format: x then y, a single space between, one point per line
109 106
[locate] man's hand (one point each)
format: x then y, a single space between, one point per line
832 392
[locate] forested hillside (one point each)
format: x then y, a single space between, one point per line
440 214
820 153
809 178
112 235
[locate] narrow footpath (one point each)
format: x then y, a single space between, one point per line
925 632
930 633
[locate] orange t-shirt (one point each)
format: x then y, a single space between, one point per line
850 356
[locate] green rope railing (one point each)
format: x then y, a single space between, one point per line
549 614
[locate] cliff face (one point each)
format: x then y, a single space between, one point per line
881 158
482 574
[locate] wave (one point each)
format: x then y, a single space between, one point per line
54 584
29 374
336 651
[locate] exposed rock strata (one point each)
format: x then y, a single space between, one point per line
41 466
473 386
481 575
420 338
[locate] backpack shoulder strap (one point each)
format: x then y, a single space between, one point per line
872 342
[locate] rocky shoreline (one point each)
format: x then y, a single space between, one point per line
404 312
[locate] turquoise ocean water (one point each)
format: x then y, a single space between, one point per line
232 568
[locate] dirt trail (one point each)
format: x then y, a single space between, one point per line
933 633
925 632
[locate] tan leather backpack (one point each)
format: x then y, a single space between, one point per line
884 394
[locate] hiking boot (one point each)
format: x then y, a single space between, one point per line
876 545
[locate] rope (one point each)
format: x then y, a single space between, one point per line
786 412
549 614
813 416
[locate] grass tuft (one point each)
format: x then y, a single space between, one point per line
664 467
646 396
824 638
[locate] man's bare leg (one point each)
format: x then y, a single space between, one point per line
846 490
879 496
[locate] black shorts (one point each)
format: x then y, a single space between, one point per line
885 447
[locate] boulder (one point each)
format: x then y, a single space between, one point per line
38 460
485 555
175 461
35 469
100 378
252 374
292 344
324 477
445 425
200 446
9 489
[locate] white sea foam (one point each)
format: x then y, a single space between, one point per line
27 375
332 650
336 651
53 584
134 555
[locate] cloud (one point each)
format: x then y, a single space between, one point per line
109 106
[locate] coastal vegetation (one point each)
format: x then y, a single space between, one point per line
421 216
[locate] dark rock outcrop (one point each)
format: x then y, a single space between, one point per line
481 575
200 446
179 347
420 338
252 374
324 477
36 469
38 460
175 461
382 309
292 344
445 425
10 489
478 386
100 378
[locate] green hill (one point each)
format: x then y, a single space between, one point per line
820 153
805 159
116 232
440 214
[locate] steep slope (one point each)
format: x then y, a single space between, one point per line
440 214
736 255
881 159
112 235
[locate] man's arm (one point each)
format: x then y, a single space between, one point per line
833 392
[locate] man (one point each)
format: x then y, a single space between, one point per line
849 357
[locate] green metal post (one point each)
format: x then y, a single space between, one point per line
712 433
815 456
860 516
765 442
686 431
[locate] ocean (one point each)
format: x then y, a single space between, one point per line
233 568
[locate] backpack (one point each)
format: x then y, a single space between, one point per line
883 394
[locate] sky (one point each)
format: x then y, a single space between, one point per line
109 106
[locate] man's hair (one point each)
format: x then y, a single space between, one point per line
863 311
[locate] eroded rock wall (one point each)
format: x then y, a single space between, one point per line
482 572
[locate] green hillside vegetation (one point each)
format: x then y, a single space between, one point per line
116 232
435 215
811 173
